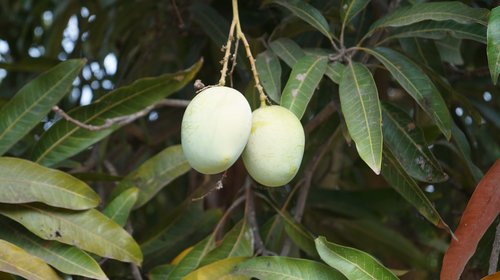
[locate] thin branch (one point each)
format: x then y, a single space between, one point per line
121 120
233 61
227 51
308 175
136 273
323 115
178 14
251 217
495 251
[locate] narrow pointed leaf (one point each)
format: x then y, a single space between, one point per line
23 181
187 226
161 272
350 9
193 259
407 143
120 207
493 44
155 173
361 109
220 270
481 211
353 263
308 14
16 261
285 268
269 69
408 188
65 139
305 77
440 29
437 11
238 242
417 84
32 103
449 50
424 51
65 258
287 50
88 230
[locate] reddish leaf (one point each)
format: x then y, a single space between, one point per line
481 211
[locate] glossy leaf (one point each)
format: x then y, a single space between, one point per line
305 77
481 211
269 69
287 50
65 258
184 227
285 268
65 139
361 109
157 172
407 143
437 11
493 45
193 259
308 14
161 272
440 29
350 9
120 207
353 263
88 230
238 242
408 188
23 181
449 50
19 262
218 270
417 84
32 103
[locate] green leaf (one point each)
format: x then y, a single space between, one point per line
88 230
287 50
32 102
353 263
285 268
297 233
493 45
407 187
64 139
238 242
305 77
463 150
361 109
308 14
269 69
65 258
161 272
350 9
23 181
193 259
449 50
441 29
424 51
407 143
334 71
220 270
417 84
19 262
437 11
120 207
155 173
185 227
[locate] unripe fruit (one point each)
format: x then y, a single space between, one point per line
215 129
275 148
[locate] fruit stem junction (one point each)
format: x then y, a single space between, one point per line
236 26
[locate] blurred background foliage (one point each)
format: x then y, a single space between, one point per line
124 41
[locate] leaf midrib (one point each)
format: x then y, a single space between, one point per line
35 103
423 16
298 10
302 83
36 276
97 236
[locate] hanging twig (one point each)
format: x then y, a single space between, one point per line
251 217
495 251
121 120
